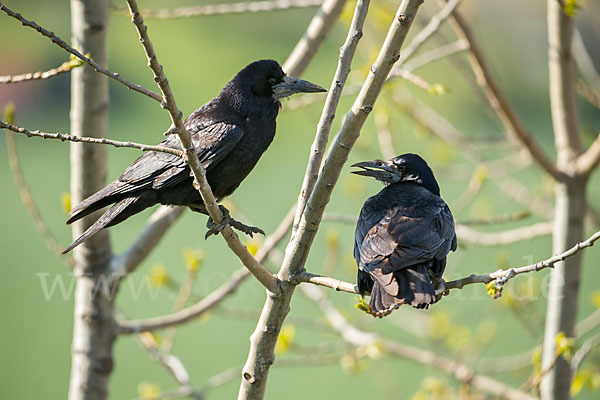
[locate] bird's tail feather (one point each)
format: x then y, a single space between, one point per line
98 200
109 218
409 286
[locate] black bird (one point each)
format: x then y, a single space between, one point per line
230 133
403 235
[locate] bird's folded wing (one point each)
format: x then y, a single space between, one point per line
398 241
158 170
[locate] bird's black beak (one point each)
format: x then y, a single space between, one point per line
378 169
291 86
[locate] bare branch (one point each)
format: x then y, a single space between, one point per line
276 308
214 298
67 137
587 324
588 161
220 9
67 66
498 219
434 24
585 349
384 135
502 238
61 43
459 371
499 102
332 283
29 202
158 223
435 55
200 182
317 150
315 34
504 275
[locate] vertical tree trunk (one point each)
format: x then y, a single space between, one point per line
93 332
570 205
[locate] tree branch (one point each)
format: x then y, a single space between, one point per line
504 275
459 371
61 43
158 223
200 182
71 138
502 238
276 308
317 150
498 100
29 202
434 24
220 9
214 298
588 161
67 66
315 34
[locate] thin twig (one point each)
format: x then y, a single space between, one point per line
384 135
588 161
585 349
67 137
220 9
434 24
317 150
505 275
508 117
359 338
233 241
29 202
214 298
67 66
61 43
502 238
158 223
498 219
276 308
435 55
315 34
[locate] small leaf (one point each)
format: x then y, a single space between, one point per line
65 201
285 339
193 259
361 305
148 391
565 345
159 276
570 7
9 112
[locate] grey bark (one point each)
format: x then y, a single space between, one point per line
93 332
570 207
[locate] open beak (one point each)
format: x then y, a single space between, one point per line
291 86
382 170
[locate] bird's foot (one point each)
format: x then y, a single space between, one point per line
247 229
214 228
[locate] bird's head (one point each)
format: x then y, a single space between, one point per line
267 79
404 168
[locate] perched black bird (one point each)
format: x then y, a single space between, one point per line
403 235
230 133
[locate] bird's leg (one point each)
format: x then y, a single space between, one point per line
214 229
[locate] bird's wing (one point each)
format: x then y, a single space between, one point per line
398 240
158 170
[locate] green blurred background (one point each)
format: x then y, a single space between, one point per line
200 55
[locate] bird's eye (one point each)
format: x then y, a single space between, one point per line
401 167
272 81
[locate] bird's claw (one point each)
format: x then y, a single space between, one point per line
214 228
247 229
